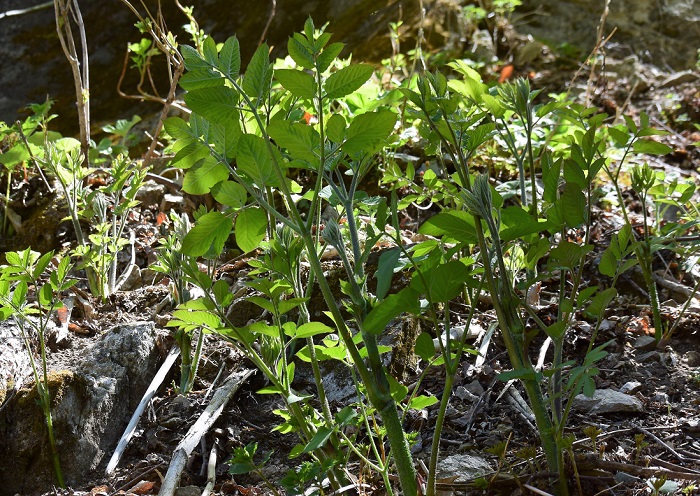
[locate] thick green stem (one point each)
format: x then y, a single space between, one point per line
435 449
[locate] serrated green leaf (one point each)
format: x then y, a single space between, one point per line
300 140
441 283
209 51
298 83
651 147
193 60
296 46
204 175
201 78
385 271
319 440
568 255
456 224
217 104
254 160
395 304
198 318
608 263
178 129
600 302
190 154
230 58
312 329
619 135
225 136
422 401
208 235
573 205
335 128
347 80
251 225
230 193
328 56
425 348
368 132
14 155
258 75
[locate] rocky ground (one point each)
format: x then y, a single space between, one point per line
643 422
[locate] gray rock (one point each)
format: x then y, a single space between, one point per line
150 193
475 388
679 78
188 491
657 32
15 369
631 387
463 466
94 401
651 356
644 343
692 358
607 401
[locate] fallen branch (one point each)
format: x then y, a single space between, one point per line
591 460
152 388
201 426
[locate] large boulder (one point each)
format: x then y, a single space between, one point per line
664 34
92 403
34 65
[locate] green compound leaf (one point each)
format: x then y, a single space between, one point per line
395 304
651 147
193 60
425 348
216 104
230 193
335 129
250 228
230 58
254 160
456 224
298 83
328 56
442 283
204 175
201 78
347 80
208 235
258 75
299 139
298 50
368 132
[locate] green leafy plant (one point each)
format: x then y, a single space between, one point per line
675 216
171 262
239 118
31 298
20 146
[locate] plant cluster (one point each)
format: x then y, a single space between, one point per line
285 149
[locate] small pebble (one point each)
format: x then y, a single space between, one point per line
692 358
631 387
644 343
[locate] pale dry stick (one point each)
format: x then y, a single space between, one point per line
200 427
130 429
211 471
64 10
537 491
598 47
589 461
273 11
28 10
